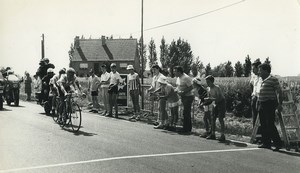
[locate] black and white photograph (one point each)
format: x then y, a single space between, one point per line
149 86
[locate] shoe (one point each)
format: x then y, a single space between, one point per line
160 126
95 111
132 117
91 110
204 135
276 149
222 138
137 118
156 123
211 137
264 146
104 113
172 128
108 115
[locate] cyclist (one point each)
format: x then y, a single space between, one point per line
55 89
67 83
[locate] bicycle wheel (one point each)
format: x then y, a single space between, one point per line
75 118
55 116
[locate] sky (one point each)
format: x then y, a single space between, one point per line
217 30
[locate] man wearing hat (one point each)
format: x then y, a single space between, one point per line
134 88
93 86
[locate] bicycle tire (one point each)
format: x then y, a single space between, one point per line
55 116
75 117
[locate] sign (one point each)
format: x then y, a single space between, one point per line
122 94
83 65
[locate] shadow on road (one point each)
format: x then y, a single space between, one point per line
289 153
235 143
4 109
79 133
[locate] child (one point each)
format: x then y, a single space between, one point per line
168 93
206 103
134 88
219 107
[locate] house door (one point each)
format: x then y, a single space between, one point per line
97 69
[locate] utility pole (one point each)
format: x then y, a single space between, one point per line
42 44
142 51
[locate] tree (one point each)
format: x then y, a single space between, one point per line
267 61
208 70
180 54
219 70
140 55
238 69
228 69
163 52
247 66
197 67
152 53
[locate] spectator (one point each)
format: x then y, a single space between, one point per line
38 88
134 88
28 81
93 87
113 90
255 83
44 66
269 99
104 81
219 108
201 92
168 93
46 85
162 113
184 89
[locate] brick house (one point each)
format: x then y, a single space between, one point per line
89 54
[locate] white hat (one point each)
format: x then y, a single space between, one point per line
130 67
50 70
162 79
113 65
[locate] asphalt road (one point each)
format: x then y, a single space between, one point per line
30 141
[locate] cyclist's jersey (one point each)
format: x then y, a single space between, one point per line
67 84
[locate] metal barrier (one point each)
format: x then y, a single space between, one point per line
151 105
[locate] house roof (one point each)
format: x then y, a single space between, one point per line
115 49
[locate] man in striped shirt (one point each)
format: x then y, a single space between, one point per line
269 99
134 88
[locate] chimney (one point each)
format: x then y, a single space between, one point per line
103 40
76 42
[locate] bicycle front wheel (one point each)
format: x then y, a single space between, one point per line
75 117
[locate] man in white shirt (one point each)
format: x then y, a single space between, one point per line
184 87
113 89
105 78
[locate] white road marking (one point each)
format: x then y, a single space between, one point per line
125 157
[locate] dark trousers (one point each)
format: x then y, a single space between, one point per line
254 112
134 94
269 131
187 107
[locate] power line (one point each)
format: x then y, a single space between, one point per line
189 18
